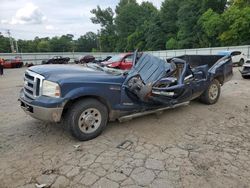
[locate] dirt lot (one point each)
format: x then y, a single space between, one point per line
191 146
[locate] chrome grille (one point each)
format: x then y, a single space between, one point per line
32 84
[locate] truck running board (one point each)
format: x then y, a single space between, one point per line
156 111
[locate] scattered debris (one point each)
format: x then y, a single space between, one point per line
50 171
77 146
188 147
125 145
40 185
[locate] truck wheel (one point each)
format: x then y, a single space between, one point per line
87 119
245 77
212 93
241 62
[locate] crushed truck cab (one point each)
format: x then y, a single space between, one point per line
86 97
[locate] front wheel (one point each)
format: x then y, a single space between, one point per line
87 119
245 77
212 93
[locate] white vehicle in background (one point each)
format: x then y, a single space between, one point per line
238 57
246 69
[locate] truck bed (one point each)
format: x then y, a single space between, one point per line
198 60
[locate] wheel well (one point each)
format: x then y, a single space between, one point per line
220 79
71 102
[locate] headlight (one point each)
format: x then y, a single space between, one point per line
51 89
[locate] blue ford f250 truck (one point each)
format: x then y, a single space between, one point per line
86 97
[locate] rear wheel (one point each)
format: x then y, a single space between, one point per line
212 93
87 119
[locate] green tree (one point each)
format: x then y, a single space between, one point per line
138 39
127 21
212 25
155 36
237 30
87 42
240 3
171 44
103 17
64 43
123 3
43 46
4 44
107 35
217 6
26 46
169 17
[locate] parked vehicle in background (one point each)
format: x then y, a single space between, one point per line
102 60
29 64
245 73
121 61
13 63
57 60
238 57
85 59
87 96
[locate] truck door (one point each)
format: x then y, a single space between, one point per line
150 81
175 87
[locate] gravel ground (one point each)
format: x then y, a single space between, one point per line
191 146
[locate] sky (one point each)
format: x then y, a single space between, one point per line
27 19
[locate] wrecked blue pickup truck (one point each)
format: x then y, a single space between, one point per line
86 97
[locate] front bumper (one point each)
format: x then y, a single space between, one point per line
245 73
41 113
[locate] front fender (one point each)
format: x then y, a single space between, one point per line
222 69
82 91
111 97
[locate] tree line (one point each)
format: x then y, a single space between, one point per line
64 43
177 24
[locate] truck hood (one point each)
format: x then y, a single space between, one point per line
73 73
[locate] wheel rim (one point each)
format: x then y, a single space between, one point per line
90 120
213 91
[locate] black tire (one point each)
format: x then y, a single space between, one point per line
245 77
78 124
207 97
241 62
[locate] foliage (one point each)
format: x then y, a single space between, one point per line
107 35
4 44
171 44
87 42
177 24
